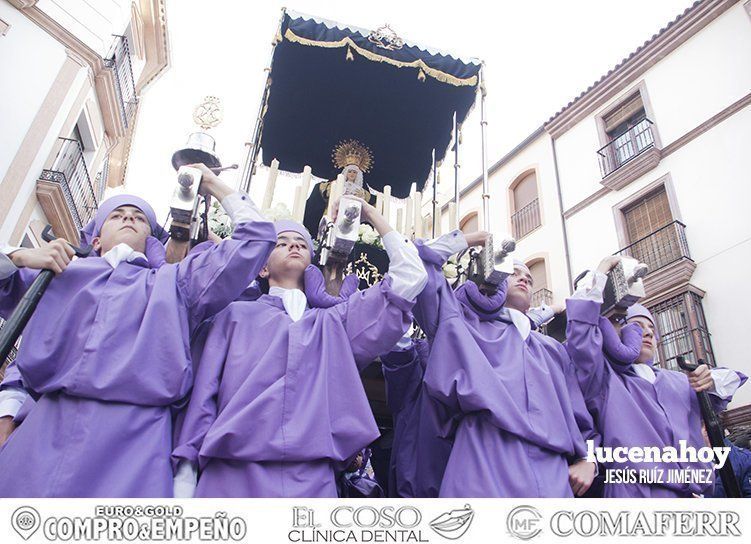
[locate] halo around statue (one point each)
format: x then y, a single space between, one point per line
350 152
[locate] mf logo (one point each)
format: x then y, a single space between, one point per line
524 522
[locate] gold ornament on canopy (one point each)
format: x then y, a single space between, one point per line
352 152
208 113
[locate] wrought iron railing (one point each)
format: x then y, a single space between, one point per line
526 219
683 331
626 147
100 182
11 356
664 246
69 170
119 62
540 297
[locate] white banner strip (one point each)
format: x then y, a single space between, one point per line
285 521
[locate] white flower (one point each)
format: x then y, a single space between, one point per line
368 235
450 271
277 212
219 221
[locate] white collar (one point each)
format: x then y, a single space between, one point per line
521 322
644 370
295 302
122 252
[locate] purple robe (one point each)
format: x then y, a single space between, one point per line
521 412
628 410
278 404
422 425
107 353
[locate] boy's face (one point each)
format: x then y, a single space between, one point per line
649 342
519 292
289 258
126 224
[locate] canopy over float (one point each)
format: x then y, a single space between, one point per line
330 82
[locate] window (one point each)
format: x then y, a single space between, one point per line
470 223
654 237
526 205
683 330
626 131
540 292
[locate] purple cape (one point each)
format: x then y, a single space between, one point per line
276 403
422 425
107 352
521 415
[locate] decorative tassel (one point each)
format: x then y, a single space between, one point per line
421 75
350 56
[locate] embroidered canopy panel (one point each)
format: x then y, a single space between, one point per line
331 82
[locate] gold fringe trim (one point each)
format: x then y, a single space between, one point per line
432 72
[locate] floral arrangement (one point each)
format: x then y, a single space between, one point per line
219 221
455 267
277 212
368 235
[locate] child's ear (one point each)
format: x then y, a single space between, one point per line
96 243
264 273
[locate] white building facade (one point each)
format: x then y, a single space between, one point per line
651 161
72 75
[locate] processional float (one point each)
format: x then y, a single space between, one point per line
393 107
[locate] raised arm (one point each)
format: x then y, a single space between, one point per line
211 279
584 339
377 317
434 254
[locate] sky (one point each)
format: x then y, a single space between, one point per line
538 56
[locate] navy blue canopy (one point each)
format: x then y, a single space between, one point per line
331 82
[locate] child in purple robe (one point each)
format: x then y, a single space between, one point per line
518 414
635 402
278 403
106 355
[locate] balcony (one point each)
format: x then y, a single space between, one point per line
125 87
666 253
629 155
526 219
65 191
540 297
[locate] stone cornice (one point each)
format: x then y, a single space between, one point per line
156 42
104 78
630 69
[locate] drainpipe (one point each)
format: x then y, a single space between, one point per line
563 219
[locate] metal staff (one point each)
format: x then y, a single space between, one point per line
14 326
714 431
435 195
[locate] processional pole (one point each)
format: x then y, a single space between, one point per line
254 147
435 194
456 172
484 130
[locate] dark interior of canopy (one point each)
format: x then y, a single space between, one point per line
318 98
